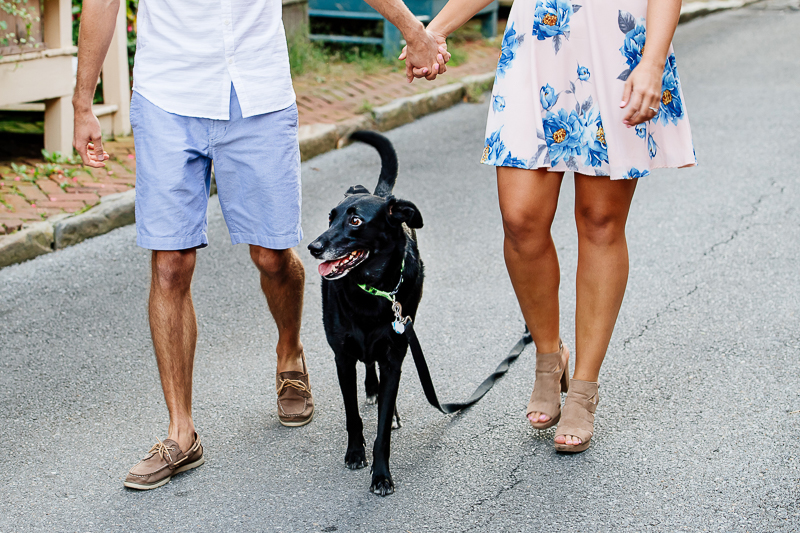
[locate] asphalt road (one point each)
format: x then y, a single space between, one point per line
698 421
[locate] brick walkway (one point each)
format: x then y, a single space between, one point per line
329 101
44 190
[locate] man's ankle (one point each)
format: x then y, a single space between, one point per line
290 359
183 435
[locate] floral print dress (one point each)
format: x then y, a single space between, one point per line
559 82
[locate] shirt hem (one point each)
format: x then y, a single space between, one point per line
184 112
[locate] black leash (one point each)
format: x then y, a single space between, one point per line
404 326
483 388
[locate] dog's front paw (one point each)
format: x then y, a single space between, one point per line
355 459
382 485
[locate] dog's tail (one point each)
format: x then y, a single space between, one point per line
388 159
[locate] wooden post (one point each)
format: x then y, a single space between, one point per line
58 115
58 125
391 40
57 23
116 80
489 24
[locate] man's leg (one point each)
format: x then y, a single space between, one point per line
174 329
257 166
282 280
173 173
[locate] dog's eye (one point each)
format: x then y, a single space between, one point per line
355 221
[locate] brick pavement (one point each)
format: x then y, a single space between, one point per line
325 99
42 190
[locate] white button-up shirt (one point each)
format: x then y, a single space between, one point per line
189 51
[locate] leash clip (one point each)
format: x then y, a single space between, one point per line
399 324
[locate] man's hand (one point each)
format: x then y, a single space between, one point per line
88 139
426 56
98 19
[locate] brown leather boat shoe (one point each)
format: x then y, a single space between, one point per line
295 402
164 460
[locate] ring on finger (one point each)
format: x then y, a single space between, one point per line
653 109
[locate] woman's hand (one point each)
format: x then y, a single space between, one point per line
642 93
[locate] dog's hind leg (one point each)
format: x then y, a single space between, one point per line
390 382
396 424
371 384
356 456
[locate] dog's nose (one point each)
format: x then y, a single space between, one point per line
316 248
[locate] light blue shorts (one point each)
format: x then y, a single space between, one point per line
256 167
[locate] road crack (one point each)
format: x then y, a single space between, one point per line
753 210
671 305
507 484
652 321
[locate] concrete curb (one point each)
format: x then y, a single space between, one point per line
27 243
117 210
114 211
55 233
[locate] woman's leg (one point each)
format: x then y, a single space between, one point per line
528 201
601 211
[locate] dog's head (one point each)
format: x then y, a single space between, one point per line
362 229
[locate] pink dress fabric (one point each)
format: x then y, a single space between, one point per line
559 82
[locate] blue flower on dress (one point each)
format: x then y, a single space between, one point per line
511 42
672 64
583 73
633 45
494 149
652 147
635 173
671 108
498 103
547 96
511 161
641 130
551 18
562 132
594 138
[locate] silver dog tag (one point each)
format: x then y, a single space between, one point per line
398 327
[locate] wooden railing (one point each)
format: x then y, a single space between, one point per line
46 73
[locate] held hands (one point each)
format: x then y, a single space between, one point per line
426 56
88 139
642 93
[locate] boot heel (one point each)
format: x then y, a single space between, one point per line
565 375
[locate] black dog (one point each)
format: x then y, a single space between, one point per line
369 248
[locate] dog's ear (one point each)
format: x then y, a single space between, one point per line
399 211
356 189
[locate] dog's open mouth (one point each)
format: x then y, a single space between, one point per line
340 267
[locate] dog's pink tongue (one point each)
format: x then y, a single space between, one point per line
326 268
